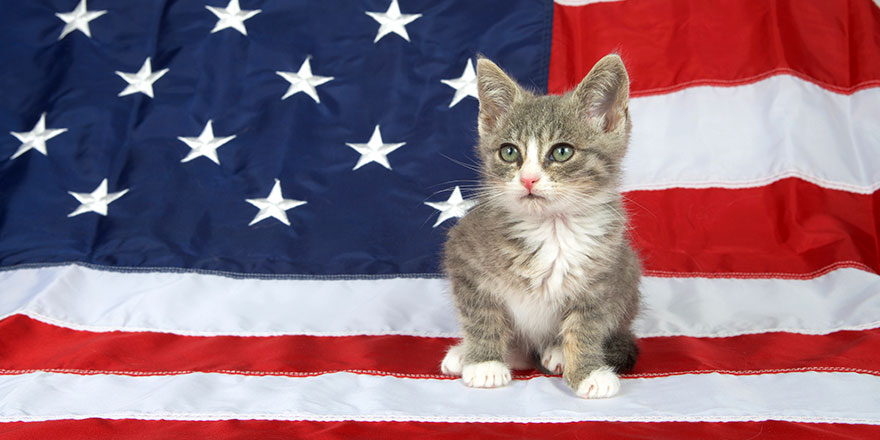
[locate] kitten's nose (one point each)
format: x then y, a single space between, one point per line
528 181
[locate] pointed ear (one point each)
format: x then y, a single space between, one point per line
496 91
603 95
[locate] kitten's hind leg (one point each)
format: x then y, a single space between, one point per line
553 360
621 351
453 362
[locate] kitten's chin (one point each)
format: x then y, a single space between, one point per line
540 206
535 204
532 205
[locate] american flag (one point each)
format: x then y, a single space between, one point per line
222 218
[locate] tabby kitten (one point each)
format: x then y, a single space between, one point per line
540 268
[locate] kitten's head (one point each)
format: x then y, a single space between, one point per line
552 155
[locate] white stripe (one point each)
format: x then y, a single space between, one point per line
754 134
198 304
797 397
845 299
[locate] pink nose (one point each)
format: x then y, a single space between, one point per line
528 181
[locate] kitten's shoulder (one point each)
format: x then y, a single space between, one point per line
473 236
478 222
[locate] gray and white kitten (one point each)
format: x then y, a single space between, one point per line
541 268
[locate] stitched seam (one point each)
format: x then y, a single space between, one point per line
755 78
755 183
741 332
227 274
292 374
749 275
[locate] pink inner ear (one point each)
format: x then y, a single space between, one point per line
612 118
609 113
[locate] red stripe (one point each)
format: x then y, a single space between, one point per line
27 344
788 229
714 42
270 429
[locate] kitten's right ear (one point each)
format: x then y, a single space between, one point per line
497 93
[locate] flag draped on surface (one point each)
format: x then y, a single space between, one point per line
224 218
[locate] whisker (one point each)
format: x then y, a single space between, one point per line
448 182
463 188
473 167
631 200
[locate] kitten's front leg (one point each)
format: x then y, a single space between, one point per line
585 369
487 337
485 374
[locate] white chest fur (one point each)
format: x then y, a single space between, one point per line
536 318
561 247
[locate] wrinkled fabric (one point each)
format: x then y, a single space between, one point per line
193 215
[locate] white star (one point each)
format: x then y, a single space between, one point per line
465 85
96 201
304 81
142 81
205 145
375 150
232 17
392 21
274 205
78 19
36 138
455 206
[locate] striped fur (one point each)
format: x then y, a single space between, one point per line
545 266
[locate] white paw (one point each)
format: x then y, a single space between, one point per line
553 360
489 374
452 363
599 384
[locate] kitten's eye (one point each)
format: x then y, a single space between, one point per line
509 153
561 152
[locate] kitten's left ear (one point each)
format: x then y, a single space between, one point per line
604 93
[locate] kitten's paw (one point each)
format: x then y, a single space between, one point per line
452 363
599 384
553 360
489 374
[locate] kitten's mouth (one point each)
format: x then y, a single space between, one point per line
532 197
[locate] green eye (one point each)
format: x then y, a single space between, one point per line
508 153
561 152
